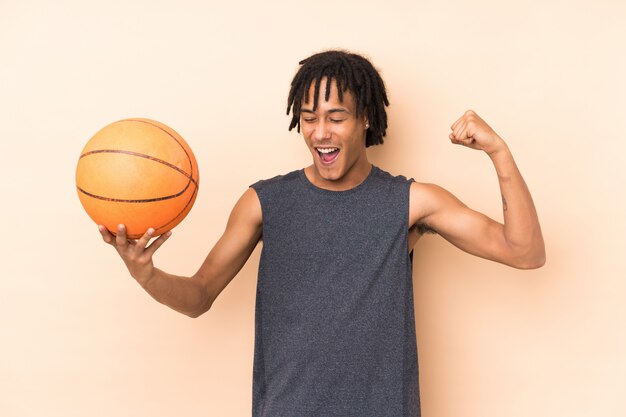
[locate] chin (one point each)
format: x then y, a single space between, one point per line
329 173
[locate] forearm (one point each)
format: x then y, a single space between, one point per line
521 230
183 294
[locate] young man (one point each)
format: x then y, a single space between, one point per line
335 328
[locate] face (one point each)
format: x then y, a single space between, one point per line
336 139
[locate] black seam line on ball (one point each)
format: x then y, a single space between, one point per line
141 155
121 200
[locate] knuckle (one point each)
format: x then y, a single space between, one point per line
127 257
131 259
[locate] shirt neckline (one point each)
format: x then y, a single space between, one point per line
314 187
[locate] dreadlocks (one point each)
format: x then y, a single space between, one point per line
352 73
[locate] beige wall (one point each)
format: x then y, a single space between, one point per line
80 338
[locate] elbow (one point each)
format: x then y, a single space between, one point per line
533 258
534 263
206 306
196 313
541 259
202 307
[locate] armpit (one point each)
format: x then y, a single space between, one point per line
423 228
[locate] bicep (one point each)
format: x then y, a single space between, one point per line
232 250
467 229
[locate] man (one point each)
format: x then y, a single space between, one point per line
335 328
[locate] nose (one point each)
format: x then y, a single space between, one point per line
321 131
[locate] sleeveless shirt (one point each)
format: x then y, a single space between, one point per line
334 315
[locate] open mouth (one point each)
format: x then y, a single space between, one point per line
328 155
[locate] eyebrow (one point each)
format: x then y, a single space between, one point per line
333 110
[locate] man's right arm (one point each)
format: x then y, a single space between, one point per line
194 295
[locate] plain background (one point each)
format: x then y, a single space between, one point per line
79 337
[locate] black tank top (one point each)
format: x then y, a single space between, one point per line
335 326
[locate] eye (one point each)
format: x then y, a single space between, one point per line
337 120
308 119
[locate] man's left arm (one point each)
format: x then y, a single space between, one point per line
519 241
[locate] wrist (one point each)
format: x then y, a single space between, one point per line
145 277
499 150
503 162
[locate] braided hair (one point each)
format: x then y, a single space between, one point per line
351 72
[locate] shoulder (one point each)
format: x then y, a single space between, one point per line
426 191
276 181
427 200
247 208
271 193
383 175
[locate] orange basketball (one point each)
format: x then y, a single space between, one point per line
137 172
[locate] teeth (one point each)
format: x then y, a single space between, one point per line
326 150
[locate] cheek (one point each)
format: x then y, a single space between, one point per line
307 139
305 131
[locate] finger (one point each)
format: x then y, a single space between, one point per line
456 123
106 235
459 131
143 241
473 115
157 243
454 140
462 139
121 239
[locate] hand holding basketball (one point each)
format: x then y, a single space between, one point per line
137 172
136 254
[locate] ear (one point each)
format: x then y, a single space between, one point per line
367 122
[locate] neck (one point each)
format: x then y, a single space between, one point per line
354 176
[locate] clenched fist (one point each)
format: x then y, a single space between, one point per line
472 131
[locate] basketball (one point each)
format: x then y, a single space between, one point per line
137 172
